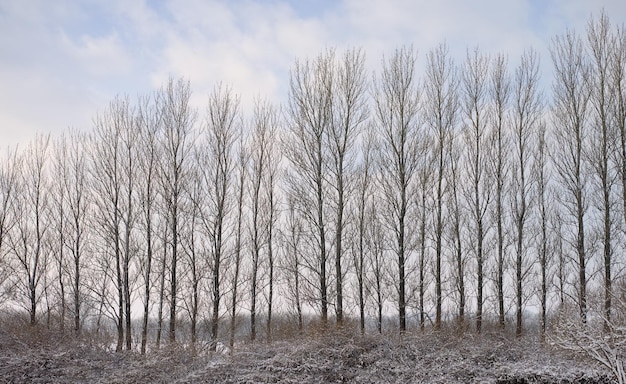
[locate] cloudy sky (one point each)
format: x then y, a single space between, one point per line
61 61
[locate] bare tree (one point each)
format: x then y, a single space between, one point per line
110 183
310 116
244 158
349 114
500 92
440 114
28 243
178 118
261 157
271 192
220 135
478 192
602 138
542 178
570 112
9 172
77 191
148 121
59 206
526 112
618 110
129 161
396 110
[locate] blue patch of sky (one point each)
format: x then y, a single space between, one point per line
545 17
313 8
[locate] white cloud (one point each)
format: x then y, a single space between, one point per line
99 55
61 61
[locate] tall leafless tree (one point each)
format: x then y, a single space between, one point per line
440 114
148 121
500 92
59 174
263 136
349 113
273 212
310 116
243 159
129 161
526 113
570 112
541 176
28 243
77 193
113 185
602 139
618 110
178 118
478 191
396 111
220 135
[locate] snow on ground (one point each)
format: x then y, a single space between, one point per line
333 358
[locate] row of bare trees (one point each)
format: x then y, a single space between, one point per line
468 191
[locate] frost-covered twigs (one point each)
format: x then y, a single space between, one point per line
600 339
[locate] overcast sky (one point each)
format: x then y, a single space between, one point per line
61 61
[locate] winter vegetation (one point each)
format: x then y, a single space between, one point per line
459 224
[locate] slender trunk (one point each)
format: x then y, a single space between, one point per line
120 293
216 279
233 304
297 293
47 298
401 268
270 298
322 234
422 261
460 265
127 293
194 306
338 246
544 272
379 293
76 284
461 270
146 303
580 246
479 311
361 259
33 302
519 276
253 288
61 287
607 255
438 235
270 260
500 277
161 293
174 276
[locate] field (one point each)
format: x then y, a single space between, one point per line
38 355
